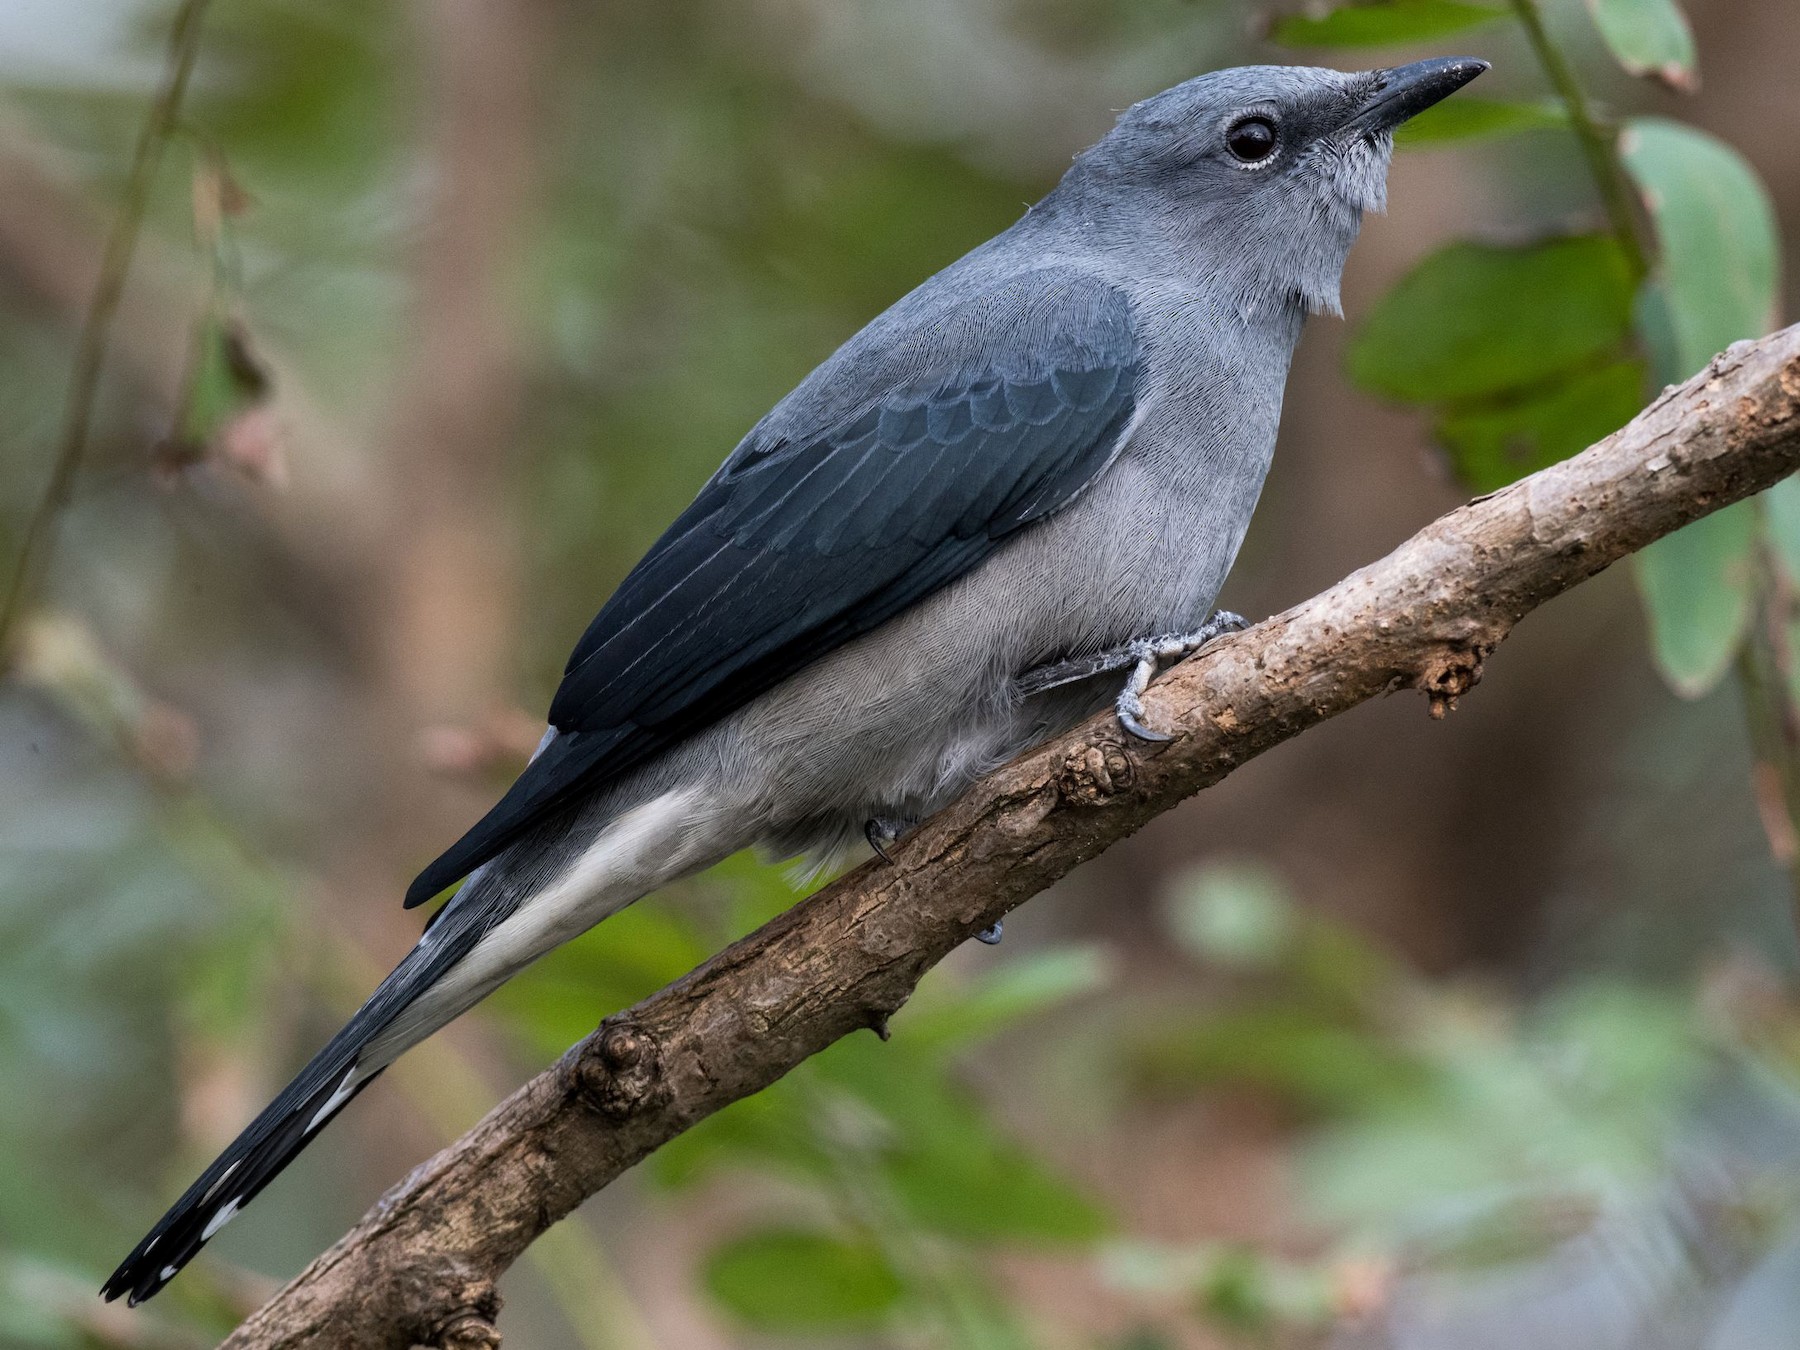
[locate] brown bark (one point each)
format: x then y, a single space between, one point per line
420 1267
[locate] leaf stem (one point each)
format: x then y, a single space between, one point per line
96 328
1598 140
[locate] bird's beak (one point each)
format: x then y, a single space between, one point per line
1407 91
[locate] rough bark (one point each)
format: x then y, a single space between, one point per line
420 1267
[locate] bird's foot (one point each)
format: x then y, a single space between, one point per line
882 831
990 935
1152 653
1145 657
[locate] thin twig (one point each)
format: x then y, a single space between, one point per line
96 327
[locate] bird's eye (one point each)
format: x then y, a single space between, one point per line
1252 139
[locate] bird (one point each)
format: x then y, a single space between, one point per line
1027 475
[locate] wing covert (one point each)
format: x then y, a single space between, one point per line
876 482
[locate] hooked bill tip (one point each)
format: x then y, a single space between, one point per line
1406 91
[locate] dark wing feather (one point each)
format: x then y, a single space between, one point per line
834 515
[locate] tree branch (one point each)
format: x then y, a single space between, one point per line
420 1267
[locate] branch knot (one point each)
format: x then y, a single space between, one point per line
468 1331
1449 675
620 1071
1092 774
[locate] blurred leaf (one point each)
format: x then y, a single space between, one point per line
767 1129
1340 970
630 956
1235 913
980 1188
1653 318
952 1168
1464 119
1018 989
1719 249
756 891
1621 1049
792 1280
1476 319
1144 1338
1309 1058
226 382
1649 37
1251 1294
313 87
39 1303
1781 507
1514 1123
1492 443
1381 24
1697 588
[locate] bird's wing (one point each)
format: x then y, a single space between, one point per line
891 471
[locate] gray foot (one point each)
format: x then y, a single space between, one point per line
990 935
881 831
1145 657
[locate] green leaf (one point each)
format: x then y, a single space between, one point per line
953 1170
1382 24
989 1190
1256 1296
1719 249
633 954
1492 443
1649 37
1235 913
1476 319
1020 988
766 1131
1781 506
1466 119
226 378
1696 585
1314 1061
793 1280
1718 270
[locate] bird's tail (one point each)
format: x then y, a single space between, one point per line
270 1142
348 1063
502 919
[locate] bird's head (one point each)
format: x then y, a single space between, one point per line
1265 171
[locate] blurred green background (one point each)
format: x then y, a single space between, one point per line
1482 1032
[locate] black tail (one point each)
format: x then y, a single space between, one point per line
322 1089
255 1157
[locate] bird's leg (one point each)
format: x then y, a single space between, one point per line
881 831
1152 653
991 934
1145 656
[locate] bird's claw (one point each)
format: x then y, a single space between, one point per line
1149 655
881 831
990 935
1130 712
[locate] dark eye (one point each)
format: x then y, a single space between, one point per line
1251 139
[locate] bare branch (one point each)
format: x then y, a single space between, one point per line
420 1267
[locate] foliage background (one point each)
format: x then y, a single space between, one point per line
1411 1034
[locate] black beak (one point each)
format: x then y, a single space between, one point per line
1407 91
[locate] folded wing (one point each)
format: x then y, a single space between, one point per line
895 468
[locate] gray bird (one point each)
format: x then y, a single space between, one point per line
1033 470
